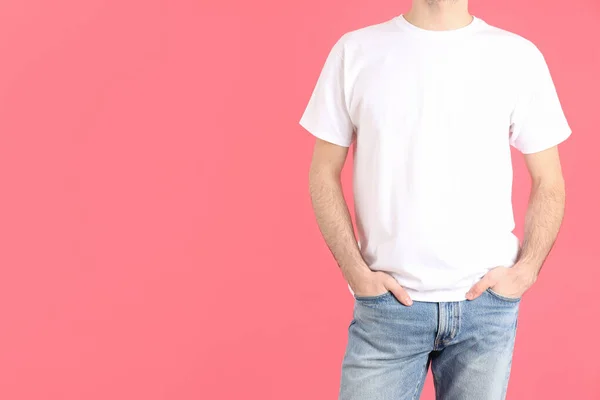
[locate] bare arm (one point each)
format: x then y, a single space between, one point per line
335 223
542 223
545 211
331 210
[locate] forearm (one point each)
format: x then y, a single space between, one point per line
542 223
335 224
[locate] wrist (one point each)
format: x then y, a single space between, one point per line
526 272
356 274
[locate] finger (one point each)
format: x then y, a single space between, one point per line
399 292
478 288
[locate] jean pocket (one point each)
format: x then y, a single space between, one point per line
379 297
504 298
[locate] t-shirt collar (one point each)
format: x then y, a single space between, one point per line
471 27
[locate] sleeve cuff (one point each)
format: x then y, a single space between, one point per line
326 136
556 139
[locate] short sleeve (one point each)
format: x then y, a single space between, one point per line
537 121
326 115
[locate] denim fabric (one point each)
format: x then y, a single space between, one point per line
467 344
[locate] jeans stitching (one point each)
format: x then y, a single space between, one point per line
499 296
456 321
369 298
441 326
506 379
420 381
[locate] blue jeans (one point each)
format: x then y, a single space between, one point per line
469 345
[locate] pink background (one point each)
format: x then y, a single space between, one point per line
157 239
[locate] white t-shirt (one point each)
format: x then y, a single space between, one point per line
434 114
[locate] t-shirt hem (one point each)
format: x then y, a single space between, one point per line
434 296
454 294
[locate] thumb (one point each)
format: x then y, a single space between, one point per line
399 292
479 288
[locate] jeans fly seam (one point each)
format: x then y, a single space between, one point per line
441 324
456 321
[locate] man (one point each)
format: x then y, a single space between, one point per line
434 99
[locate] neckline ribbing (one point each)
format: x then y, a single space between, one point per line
471 27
